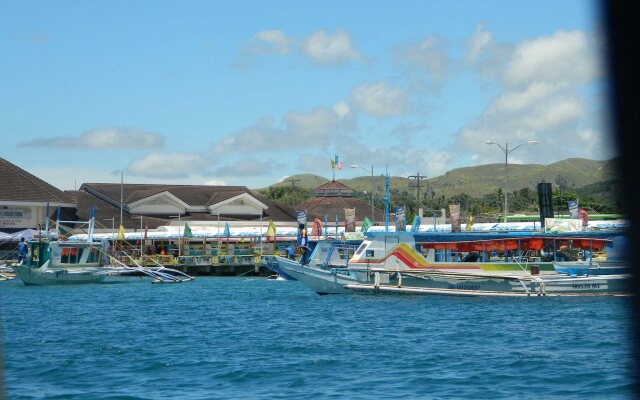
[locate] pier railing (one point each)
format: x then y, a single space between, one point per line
196 260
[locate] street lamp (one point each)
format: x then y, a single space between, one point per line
506 150
361 167
141 248
179 234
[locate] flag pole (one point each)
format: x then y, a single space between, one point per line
121 193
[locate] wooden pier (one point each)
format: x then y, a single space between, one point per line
237 265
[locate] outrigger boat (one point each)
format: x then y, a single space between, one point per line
325 253
6 273
500 264
58 262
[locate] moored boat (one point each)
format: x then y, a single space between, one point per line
509 263
60 262
590 267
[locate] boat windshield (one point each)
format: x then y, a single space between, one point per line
363 246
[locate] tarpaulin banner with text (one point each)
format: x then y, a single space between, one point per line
350 219
400 219
454 210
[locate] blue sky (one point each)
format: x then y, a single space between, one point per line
249 92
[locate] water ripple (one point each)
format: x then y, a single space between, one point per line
253 338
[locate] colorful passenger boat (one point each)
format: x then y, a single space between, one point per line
513 263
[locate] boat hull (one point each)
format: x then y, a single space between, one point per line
321 281
274 266
505 285
341 281
32 276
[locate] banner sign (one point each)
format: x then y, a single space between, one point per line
16 217
415 227
454 210
562 225
574 209
350 219
400 219
301 216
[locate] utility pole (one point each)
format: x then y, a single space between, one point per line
293 185
416 184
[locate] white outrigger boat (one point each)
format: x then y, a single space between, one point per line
411 263
59 262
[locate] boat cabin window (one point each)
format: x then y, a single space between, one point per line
70 255
94 255
345 253
361 249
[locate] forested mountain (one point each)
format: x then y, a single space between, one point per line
479 187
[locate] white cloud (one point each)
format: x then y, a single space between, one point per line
320 47
521 101
379 100
315 163
564 57
258 136
429 55
169 165
330 49
271 42
439 163
102 139
479 41
542 99
341 109
215 182
318 127
247 168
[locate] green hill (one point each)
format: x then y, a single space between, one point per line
597 179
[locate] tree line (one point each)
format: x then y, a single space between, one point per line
488 207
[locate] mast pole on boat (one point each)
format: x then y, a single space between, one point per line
58 221
121 194
386 201
46 220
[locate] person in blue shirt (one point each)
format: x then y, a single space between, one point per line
290 252
23 250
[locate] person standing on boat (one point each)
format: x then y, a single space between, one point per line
23 250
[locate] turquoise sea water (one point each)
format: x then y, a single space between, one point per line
255 338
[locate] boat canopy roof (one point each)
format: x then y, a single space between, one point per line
468 242
524 244
476 237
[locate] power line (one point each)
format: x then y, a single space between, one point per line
416 184
293 185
